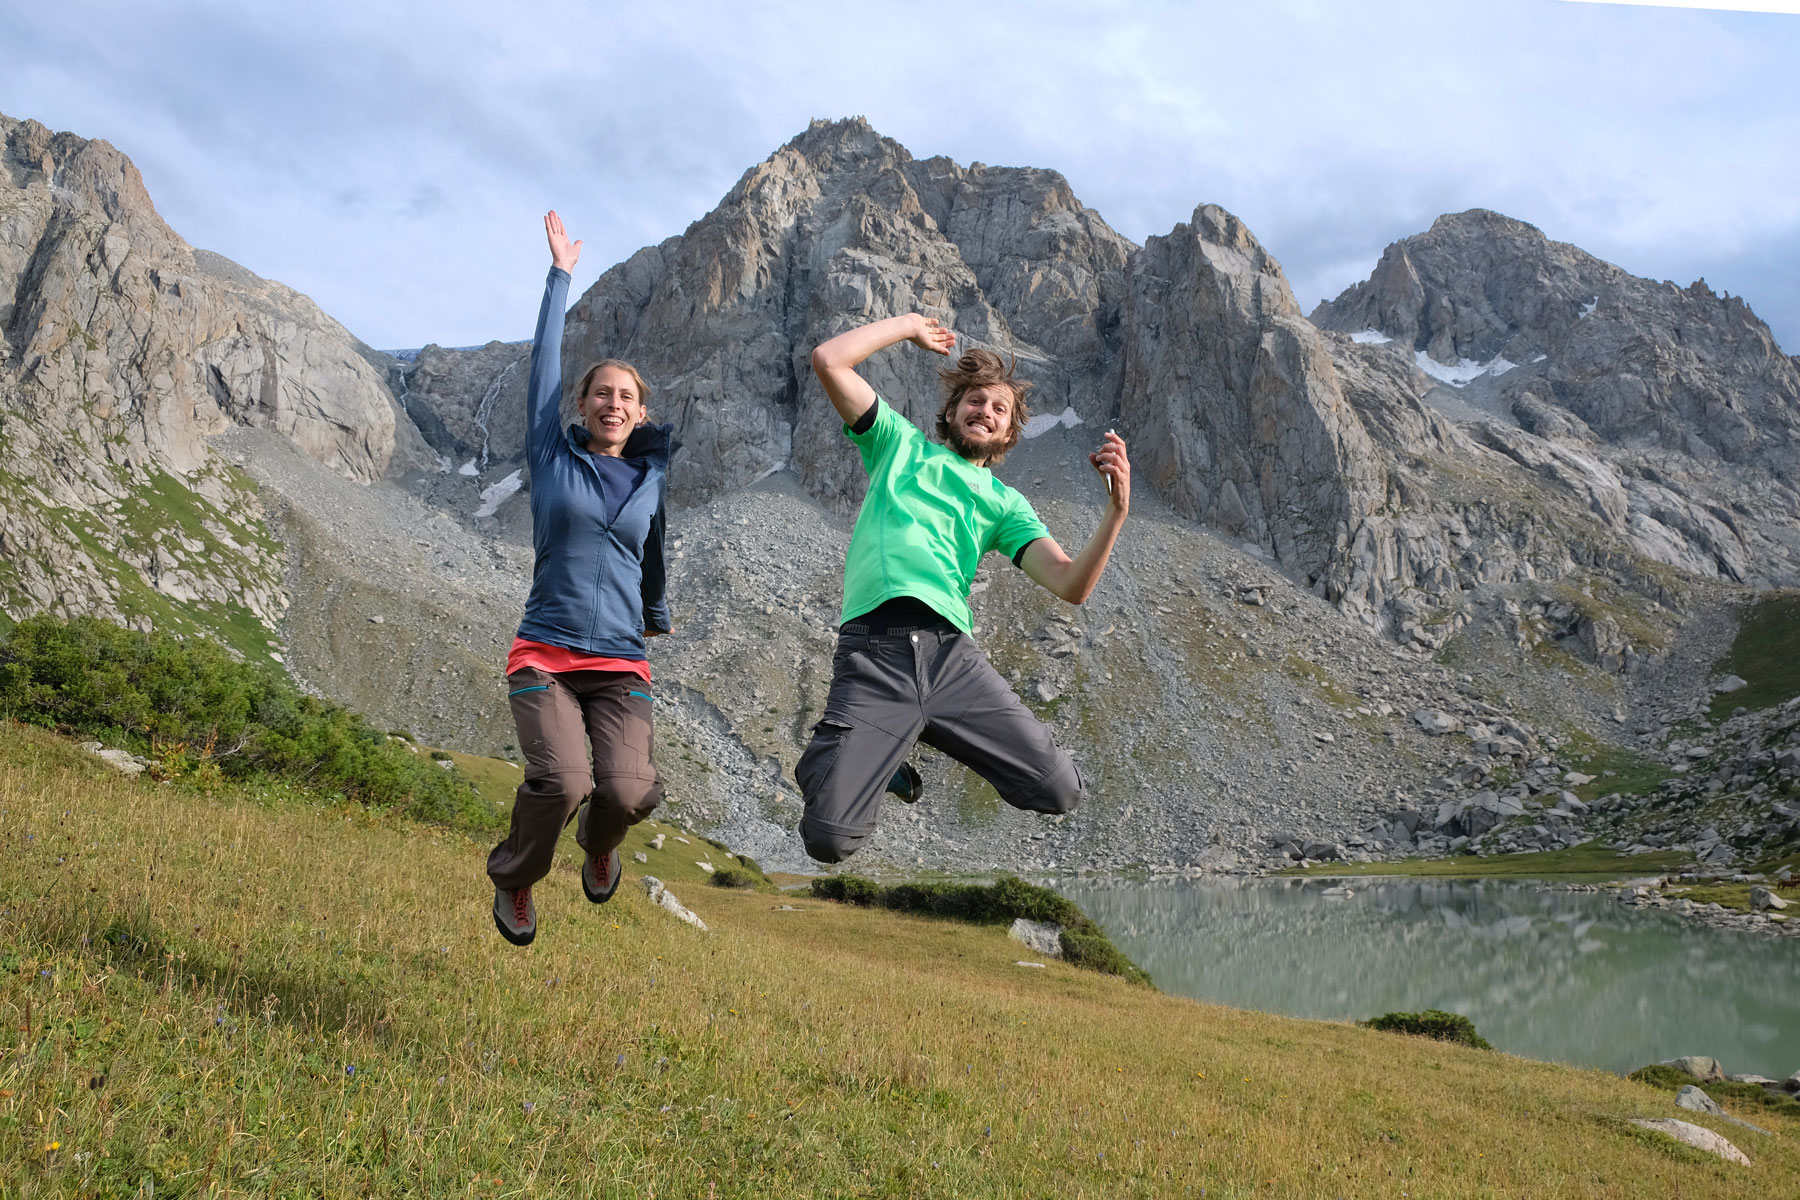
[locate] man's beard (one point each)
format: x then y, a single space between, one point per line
977 454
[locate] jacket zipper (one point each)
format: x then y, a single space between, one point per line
606 527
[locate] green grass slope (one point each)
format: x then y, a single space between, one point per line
206 995
1765 655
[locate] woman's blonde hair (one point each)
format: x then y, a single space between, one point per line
587 379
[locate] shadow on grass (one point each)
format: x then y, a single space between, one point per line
126 939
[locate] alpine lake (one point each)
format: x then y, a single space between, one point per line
1558 975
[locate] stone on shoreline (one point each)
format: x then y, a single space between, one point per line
1706 1070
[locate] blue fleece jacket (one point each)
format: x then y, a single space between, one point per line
598 583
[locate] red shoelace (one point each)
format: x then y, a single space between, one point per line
522 906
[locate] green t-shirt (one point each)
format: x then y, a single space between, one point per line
929 516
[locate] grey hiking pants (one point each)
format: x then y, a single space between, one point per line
560 717
932 686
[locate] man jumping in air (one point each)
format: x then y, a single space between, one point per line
906 669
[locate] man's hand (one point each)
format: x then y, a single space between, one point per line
1074 579
563 253
1115 467
930 335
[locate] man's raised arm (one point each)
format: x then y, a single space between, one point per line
835 361
1073 579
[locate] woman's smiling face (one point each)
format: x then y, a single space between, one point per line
611 408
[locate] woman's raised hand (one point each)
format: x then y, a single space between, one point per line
563 252
930 335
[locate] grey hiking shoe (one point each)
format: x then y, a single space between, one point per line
600 876
906 784
515 916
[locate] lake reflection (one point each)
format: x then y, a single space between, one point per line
1565 976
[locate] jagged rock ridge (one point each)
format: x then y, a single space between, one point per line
1670 412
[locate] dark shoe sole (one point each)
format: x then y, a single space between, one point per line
517 939
906 784
618 877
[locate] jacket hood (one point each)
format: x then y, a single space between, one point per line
646 441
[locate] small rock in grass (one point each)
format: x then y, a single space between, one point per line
665 899
1693 1099
656 843
640 856
704 866
122 760
1043 936
1695 1136
1023 963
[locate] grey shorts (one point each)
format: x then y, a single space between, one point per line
932 686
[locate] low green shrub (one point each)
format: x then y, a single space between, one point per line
1432 1023
848 889
1002 902
1661 1075
731 877
200 714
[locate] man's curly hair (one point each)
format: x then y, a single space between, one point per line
980 369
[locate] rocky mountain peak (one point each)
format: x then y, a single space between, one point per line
1690 407
844 143
843 226
1484 222
91 175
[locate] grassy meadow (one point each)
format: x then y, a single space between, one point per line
208 994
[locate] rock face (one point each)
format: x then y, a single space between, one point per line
1346 459
108 312
124 350
1234 399
469 405
840 227
1670 412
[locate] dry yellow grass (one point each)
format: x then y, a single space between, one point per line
222 996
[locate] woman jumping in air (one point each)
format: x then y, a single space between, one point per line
577 678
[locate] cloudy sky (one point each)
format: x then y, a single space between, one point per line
392 160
